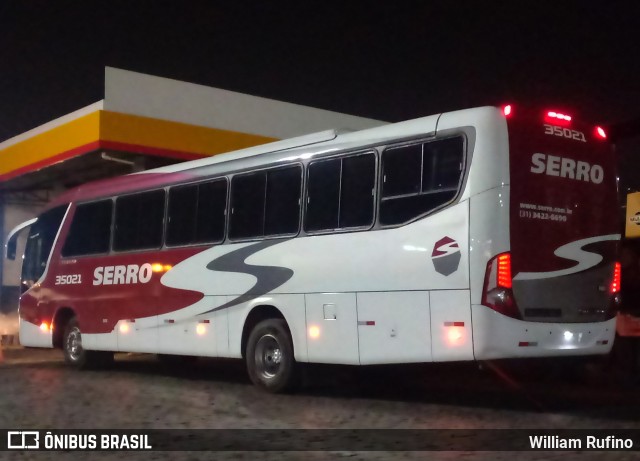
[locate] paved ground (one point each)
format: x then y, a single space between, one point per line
38 391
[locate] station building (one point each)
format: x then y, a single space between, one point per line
142 122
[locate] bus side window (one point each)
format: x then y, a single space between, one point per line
340 193
323 195
282 207
90 231
419 178
247 205
139 221
196 213
265 203
357 200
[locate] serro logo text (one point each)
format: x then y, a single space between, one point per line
566 168
122 275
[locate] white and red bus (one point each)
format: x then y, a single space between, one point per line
478 234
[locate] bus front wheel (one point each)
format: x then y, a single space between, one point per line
269 354
76 355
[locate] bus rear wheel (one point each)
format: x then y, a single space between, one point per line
76 355
269 355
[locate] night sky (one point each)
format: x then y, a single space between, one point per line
385 60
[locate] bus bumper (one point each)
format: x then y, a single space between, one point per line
496 336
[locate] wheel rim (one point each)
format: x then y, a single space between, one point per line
268 356
73 345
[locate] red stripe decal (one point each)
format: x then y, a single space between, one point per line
453 324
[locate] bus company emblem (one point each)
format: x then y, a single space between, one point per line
635 219
446 256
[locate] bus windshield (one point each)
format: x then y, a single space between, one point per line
39 243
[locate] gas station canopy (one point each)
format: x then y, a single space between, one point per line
145 122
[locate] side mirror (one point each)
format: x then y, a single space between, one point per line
12 239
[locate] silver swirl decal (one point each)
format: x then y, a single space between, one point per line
573 251
268 278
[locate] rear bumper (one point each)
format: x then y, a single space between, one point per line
496 336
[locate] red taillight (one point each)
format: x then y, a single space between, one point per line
600 132
617 275
559 116
504 270
506 110
496 292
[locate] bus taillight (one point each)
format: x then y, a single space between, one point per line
506 110
558 116
504 270
496 292
600 132
617 275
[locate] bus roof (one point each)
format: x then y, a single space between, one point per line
302 147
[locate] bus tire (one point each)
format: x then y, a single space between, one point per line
76 355
270 361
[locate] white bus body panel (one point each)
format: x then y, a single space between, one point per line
489 234
183 333
451 333
100 341
138 335
332 323
394 327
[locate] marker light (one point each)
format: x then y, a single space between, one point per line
559 116
157 267
201 329
454 335
617 275
44 326
314 332
506 110
124 327
568 336
600 132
